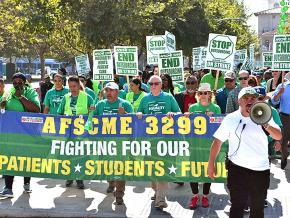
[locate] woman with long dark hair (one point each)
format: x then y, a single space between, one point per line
167 84
136 93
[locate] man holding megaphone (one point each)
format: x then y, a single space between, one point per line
248 163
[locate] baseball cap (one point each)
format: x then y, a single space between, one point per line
112 85
204 87
230 75
28 76
257 73
260 90
247 91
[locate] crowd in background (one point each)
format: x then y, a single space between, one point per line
204 91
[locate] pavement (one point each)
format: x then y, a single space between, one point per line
50 198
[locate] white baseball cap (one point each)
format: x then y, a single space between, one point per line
204 87
112 85
247 91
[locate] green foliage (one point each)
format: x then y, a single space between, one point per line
64 28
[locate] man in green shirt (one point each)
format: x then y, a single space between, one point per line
158 102
211 77
21 98
114 105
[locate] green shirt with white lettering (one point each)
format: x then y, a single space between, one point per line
161 104
198 108
104 107
53 99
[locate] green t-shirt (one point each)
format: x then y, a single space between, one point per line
161 104
208 78
53 99
198 108
122 94
104 107
73 103
1 97
90 93
14 104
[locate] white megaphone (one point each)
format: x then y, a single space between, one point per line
261 113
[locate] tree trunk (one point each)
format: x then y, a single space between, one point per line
42 64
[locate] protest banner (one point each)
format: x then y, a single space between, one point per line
117 148
240 57
126 60
220 52
281 52
203 56
103 65
172 64
251 56
155 46
196 58
170 42
267 59
82 64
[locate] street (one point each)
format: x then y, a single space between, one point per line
51 198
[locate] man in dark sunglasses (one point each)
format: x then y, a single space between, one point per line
232 101
187 98
223 93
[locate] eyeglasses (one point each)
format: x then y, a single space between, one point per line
190 83
229 80
154 84
243 78
202 93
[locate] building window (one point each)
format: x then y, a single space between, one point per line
276 5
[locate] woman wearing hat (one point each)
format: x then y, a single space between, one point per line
204 106
20 98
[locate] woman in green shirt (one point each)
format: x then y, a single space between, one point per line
136 93
204 106
55 95
75 103
20 98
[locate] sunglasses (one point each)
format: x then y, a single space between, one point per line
154 84
202 93
229 80
190 83
243 78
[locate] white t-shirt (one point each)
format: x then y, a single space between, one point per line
253 150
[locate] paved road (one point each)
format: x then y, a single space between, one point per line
50 198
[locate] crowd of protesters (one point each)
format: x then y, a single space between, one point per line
204 91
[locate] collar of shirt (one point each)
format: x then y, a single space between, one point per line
160 95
